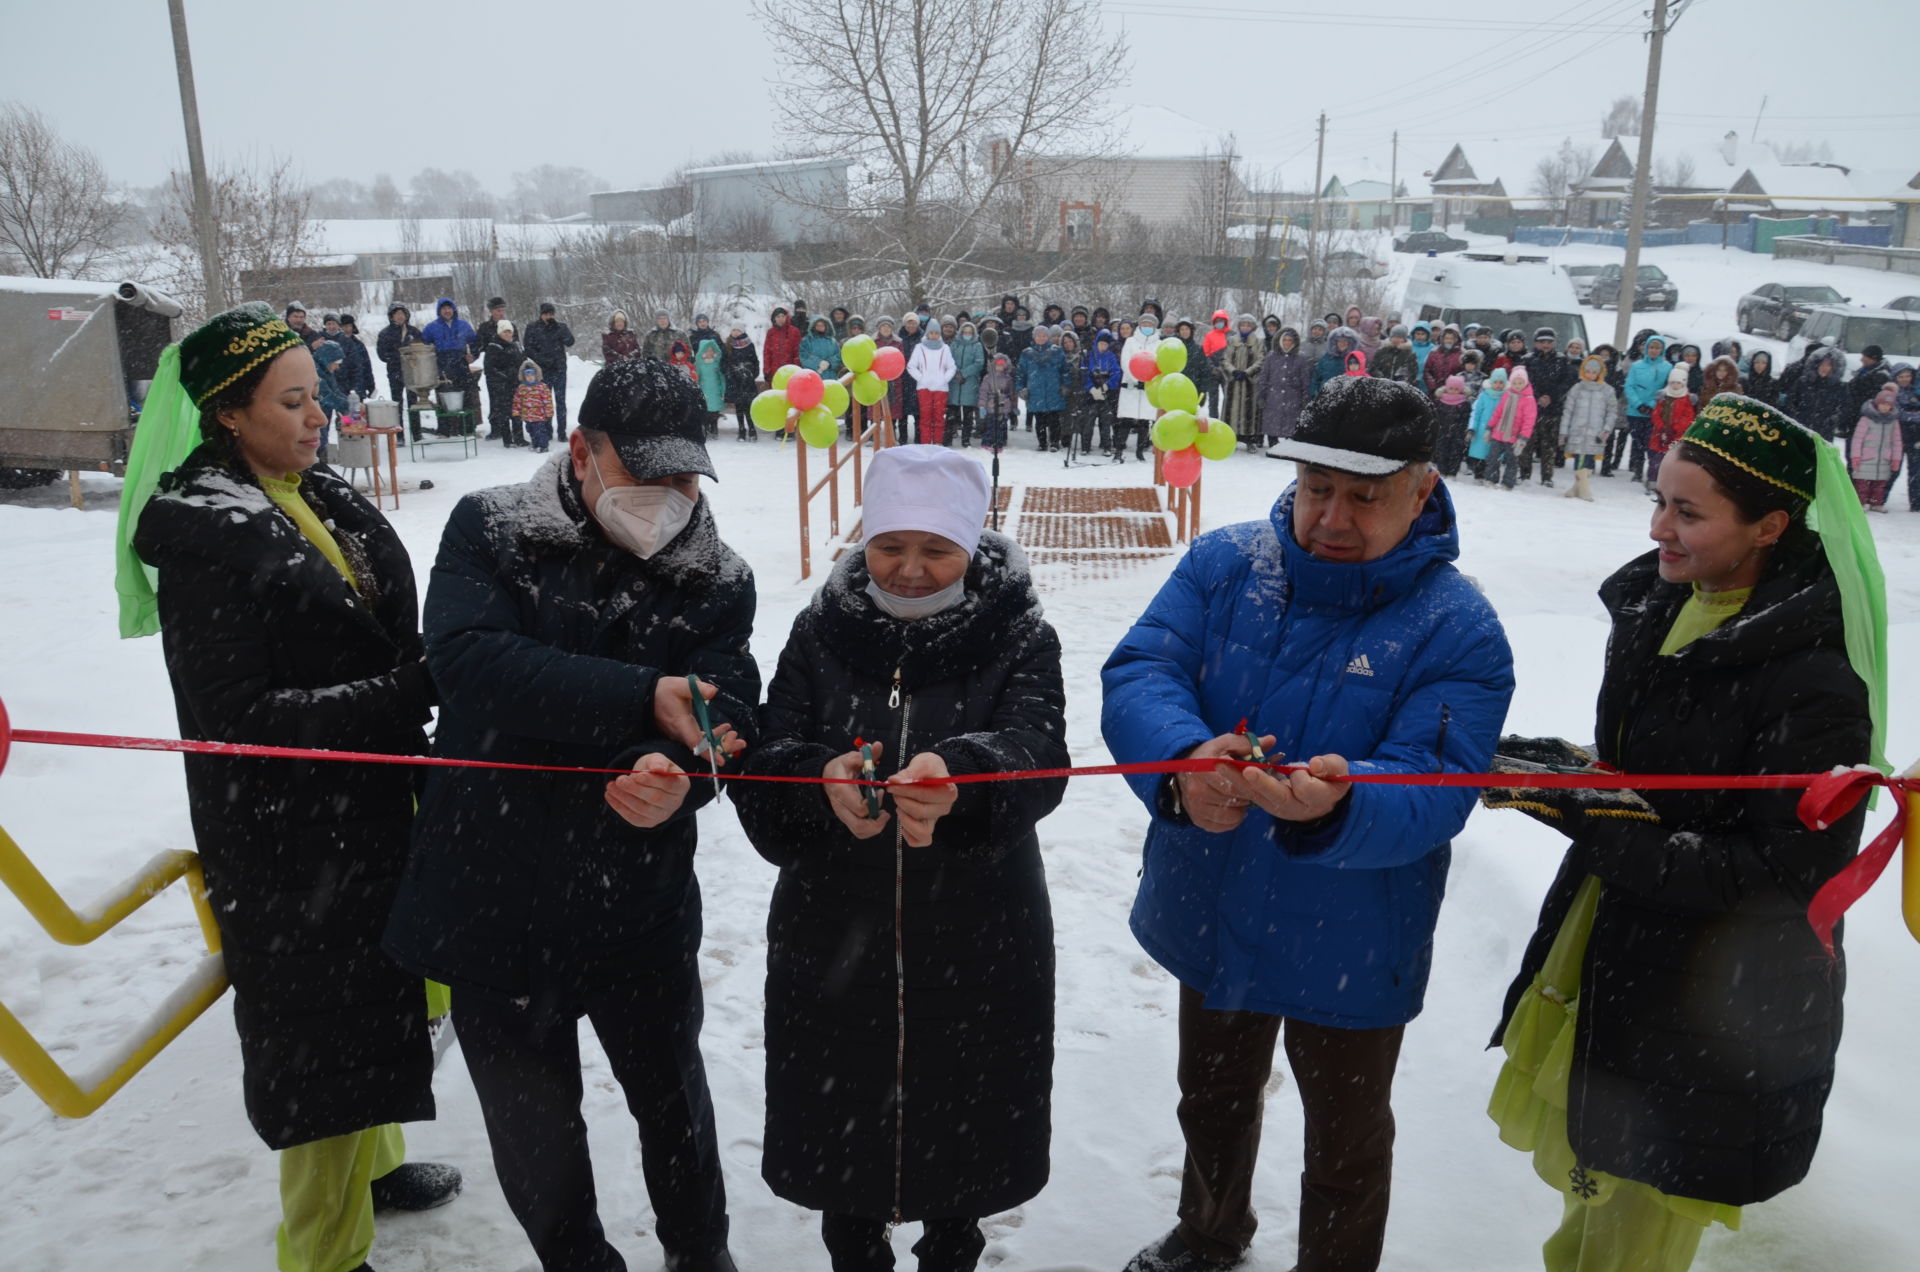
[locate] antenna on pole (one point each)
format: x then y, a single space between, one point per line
1642 177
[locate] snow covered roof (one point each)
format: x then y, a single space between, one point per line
341 238
1806 188
26 284
770 165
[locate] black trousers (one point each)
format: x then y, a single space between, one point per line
856 1244
1046 427
1613 449
557 381
1640 429
1345 1077
528 1081
961 422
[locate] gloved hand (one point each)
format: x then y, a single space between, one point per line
1566 809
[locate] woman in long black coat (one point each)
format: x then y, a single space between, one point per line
1674 946
287 617
910 966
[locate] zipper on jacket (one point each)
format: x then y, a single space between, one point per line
899 974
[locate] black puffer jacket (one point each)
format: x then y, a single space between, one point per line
547 344
1709 1016
266 643
546 642
980 685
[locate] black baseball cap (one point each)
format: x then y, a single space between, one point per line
653 415
1363 426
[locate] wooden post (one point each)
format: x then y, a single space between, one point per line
73 489
806 533
833 487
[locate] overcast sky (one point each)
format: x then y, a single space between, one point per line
630 89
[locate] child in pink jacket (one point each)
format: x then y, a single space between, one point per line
1873 453
1510 425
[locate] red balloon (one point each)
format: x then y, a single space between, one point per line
889 362
1144 368
805 389
1181 467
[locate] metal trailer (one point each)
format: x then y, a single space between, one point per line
76 359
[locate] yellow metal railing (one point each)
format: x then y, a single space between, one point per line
65 1094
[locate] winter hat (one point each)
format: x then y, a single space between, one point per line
1248 319
1873 351
929 488
531 368
1677 382
327 353
1887 396
697 318
1596 364
1454 392
1364 426
231 344
398 308
295 308
1103 334
1079 311
909 318
1498 380
546 307
1518 379
653 415
506 325
1397 332
1546 333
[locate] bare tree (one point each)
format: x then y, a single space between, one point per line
457 193
947 104
385 196
1555 176
1622 118
1675 172
552 191
635 271
260 224
1804 151
58 213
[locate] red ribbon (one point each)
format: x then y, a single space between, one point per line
1827 798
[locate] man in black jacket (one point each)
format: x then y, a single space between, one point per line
395 336
1551 375
563 620
496 314
547 342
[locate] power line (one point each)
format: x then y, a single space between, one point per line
1425 22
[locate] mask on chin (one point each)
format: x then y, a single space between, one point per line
908 608
641 519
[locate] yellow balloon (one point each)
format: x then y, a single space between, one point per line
835 398
1177 392
769 409
1171 355
782 374
868 388
858 352
818 429
1173 431
1217 442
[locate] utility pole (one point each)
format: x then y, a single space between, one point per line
1642 174
1314 251
1393 187
210 273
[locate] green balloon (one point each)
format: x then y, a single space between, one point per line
868 388
1171 355
1217 442
1177 392
818 429
782 374
858 352
834 397
769 409
1153 393
1174 431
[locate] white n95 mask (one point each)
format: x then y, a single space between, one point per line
641 519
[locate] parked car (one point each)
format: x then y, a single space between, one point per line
1354 265
1908 303
1651 290
1424 241
1581 276
1779 309
1896 331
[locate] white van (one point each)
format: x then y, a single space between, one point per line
1501 292
1896 331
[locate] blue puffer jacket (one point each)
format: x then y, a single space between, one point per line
1648 376
1042 372
1400 665
449 337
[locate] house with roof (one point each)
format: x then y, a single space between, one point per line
776 203
1072 203
1460 190
1747 176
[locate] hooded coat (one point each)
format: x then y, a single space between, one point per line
980 686
1873 452
1721 376
617 345
780 348
1709 1015
1333 362
1042 373
456 342
356 370
546 641
1591 413
969 362
658 342
1818 401
1286 381
1133 393
1647 377
267 643
1240 372
1216 338
1395 363
1441 363
708 357
1397 663
819 351
1514 415
1420 337
739 366
999 399
1762 385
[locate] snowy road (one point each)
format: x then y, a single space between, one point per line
168 1176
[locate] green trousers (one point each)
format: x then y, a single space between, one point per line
1632 1231
326 1198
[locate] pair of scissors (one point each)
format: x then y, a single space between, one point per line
710 743
1253 741
871 773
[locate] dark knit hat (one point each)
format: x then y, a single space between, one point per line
1364 426
231 344
1546 333
1757 439
653 415
496 302
546 307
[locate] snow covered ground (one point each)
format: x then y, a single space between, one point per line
169 1176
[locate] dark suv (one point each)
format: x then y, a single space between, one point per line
1652 290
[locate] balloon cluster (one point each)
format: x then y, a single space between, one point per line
1183 434
812 405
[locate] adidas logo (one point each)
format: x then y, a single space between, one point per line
1360 666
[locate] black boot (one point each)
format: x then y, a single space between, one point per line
1172 1254
416 1186
518 437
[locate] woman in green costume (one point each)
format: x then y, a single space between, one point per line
287 613
1670 1037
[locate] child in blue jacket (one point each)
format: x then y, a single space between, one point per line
1103 392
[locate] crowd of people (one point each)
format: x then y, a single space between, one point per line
592 619
1507 403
